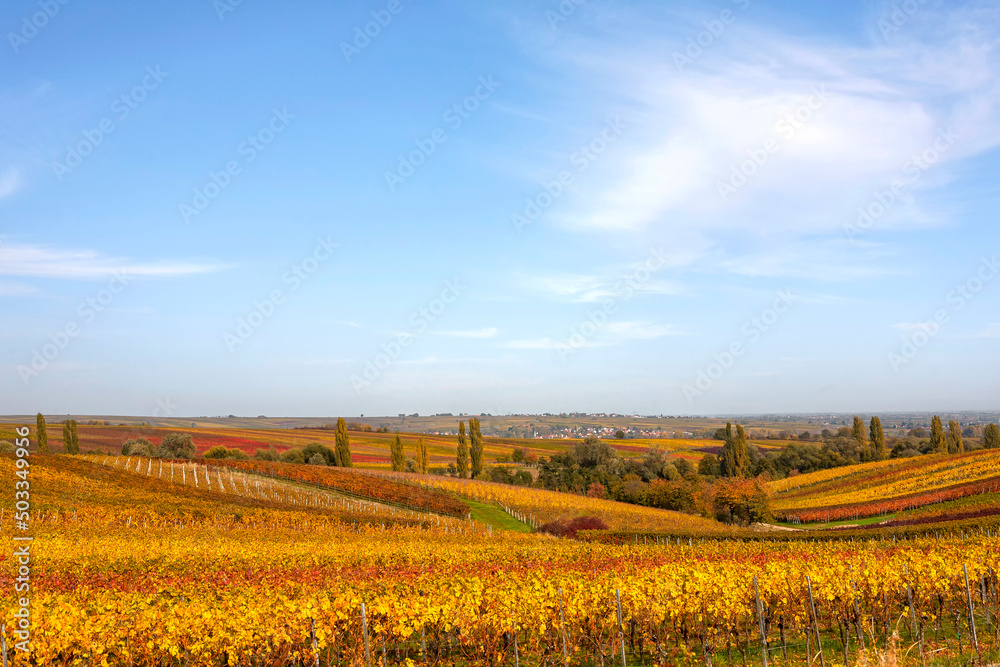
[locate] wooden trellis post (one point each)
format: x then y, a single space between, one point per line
621 630
857 618
364 629
760 621
562 629
972 620
812 605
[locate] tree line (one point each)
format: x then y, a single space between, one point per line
849 445
313 453
182 446
70 433
728 485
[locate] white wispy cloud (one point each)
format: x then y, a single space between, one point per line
579 288
879 106
18 289
435 360
489 332
530 344
10 182
608 335
622 331
623 289
828 260
321 361
876 106
39 261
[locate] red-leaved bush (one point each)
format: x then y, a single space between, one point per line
569 528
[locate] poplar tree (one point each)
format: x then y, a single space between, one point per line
422 451
735 453
877 438
938 443
476 436
397 457
991 437
463 453
858 435
43 434
727 459
342 446
67 438
74 438
955 444
742 452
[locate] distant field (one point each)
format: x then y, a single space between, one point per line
493 425
367 449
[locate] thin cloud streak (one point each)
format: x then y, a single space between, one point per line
38 261
489 332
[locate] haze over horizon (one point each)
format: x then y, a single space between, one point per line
742 207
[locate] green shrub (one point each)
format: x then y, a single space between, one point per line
223 452
293 456
176 446
138 447
269 454
314 448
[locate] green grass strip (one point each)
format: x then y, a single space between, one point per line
493 516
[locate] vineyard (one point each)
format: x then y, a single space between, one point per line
873 489
206 563
295 486
351 483
539 506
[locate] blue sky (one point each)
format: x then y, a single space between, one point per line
653 207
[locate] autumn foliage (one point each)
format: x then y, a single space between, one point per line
569 528
741 501
356 484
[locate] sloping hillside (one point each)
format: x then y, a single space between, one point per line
885 487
